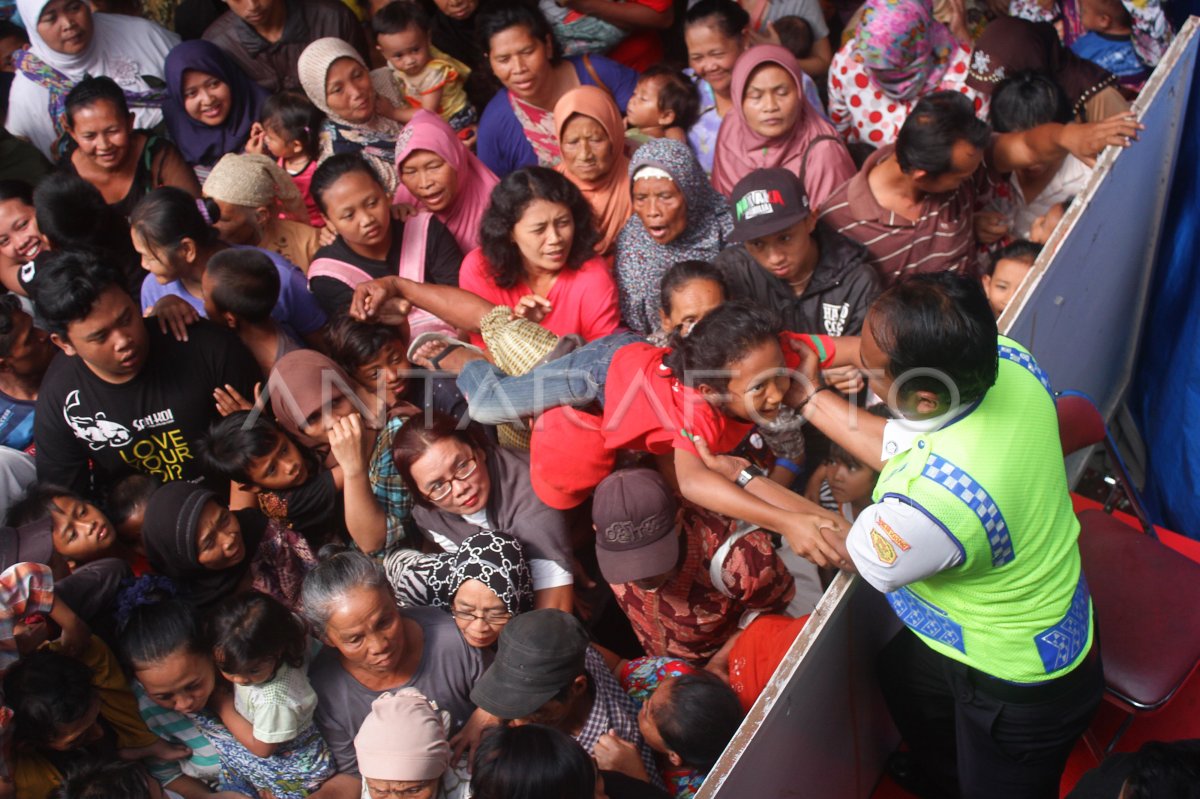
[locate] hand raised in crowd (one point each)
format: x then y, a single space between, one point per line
614 753
990 226
256 143
230 400
380 300
1087 140
532 307
466 740
348 444
174 314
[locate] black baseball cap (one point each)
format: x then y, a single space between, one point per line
538 655
767 201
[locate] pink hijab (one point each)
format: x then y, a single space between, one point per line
428 131
740 150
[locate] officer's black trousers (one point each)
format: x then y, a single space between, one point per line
976 737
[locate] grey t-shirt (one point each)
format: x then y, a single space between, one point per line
448 669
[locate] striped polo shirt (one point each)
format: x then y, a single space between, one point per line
942 239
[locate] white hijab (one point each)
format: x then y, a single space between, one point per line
122 48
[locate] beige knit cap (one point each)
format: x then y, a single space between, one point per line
313 68
403 738
250 180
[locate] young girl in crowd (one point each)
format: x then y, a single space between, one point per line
291 134
261 648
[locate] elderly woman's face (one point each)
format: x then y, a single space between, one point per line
348 91
479 613
66 26
218 538
587 150
771 101
365 626
544 235
712 54
402 789
454 476
662 208
431 179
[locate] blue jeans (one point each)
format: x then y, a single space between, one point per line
575 379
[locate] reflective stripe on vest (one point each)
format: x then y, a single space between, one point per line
1026 360
1060 644
975 497
926 618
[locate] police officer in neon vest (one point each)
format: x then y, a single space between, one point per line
972 538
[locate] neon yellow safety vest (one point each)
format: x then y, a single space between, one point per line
1017 607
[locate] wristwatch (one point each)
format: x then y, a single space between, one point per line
744 477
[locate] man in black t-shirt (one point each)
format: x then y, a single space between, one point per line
128 397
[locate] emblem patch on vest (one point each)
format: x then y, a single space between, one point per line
883 548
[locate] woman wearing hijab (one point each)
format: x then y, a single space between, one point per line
211 104
1010 45
324 409
339 82
437 173
482 585
66 42
591 134
899 54
677 216
771 125
402 749
261 207
213 552
462 486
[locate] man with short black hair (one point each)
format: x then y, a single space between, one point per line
912 204
127 396
972 537
266 37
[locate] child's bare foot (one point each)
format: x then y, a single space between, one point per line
442 355
163 750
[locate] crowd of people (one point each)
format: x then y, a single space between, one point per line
445 399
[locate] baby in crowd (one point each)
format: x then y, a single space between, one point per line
664 104
425 76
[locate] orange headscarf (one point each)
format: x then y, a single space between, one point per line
609 196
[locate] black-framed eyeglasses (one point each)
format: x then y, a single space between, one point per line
442 490
494 618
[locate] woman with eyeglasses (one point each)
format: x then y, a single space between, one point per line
483 584
461 485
